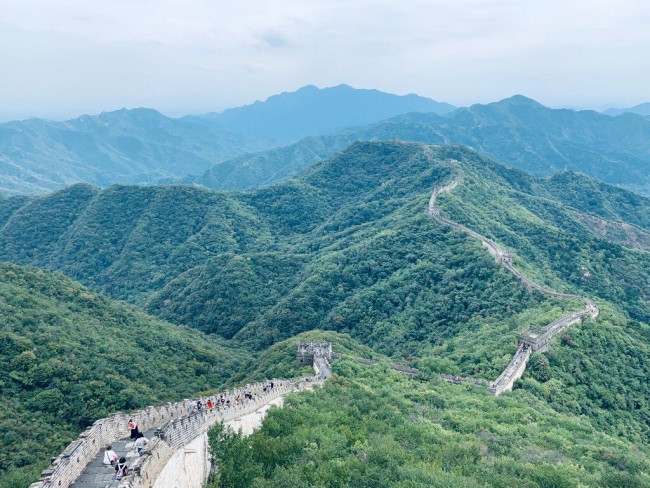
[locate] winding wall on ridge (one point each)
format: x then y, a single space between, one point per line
528 341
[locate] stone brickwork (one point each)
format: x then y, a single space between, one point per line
307 351
180 433
513 371
67 467
176 428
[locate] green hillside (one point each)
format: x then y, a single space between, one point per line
373 427
345 252
69 356
345 246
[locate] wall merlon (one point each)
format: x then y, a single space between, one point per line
175 428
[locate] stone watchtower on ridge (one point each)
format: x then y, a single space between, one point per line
506 257
307 351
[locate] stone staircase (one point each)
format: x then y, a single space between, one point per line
170 428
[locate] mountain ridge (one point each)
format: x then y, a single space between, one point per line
516 131
640 109
347 247
289 116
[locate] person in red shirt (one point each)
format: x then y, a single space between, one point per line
133 426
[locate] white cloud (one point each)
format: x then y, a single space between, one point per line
70 56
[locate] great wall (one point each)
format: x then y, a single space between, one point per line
178 453
178 434
528 341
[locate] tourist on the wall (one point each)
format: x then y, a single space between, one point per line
139 444
121 469
133 427
110 456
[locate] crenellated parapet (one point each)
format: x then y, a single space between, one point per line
180 433
175 427
68 465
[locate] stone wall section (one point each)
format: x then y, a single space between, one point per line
176 425
180 433
528 342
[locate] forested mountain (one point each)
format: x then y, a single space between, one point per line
125 146
641 109
346 247
326 249
517 131
69 356
287 117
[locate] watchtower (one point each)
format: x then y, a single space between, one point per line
506 257
307 351
537 340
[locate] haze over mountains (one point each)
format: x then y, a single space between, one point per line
287 117
125 146
517 131
265 142
641 109
143 146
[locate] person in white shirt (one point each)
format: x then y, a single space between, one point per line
110 456
139 444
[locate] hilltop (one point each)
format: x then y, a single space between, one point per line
287 117
641 109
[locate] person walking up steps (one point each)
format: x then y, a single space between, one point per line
110 456
121 469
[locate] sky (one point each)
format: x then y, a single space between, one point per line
63 58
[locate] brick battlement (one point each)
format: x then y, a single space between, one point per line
175 425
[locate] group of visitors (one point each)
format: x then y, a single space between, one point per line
119 463
222 401
111 459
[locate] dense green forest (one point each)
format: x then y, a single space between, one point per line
69 356
373 427
347 248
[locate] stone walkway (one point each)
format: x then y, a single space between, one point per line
98 475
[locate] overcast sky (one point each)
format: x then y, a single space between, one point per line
61 58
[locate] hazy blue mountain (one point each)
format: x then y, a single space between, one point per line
288 117
125 146
518 131
641 109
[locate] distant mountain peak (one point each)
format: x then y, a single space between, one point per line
641 109
287 117
520 100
